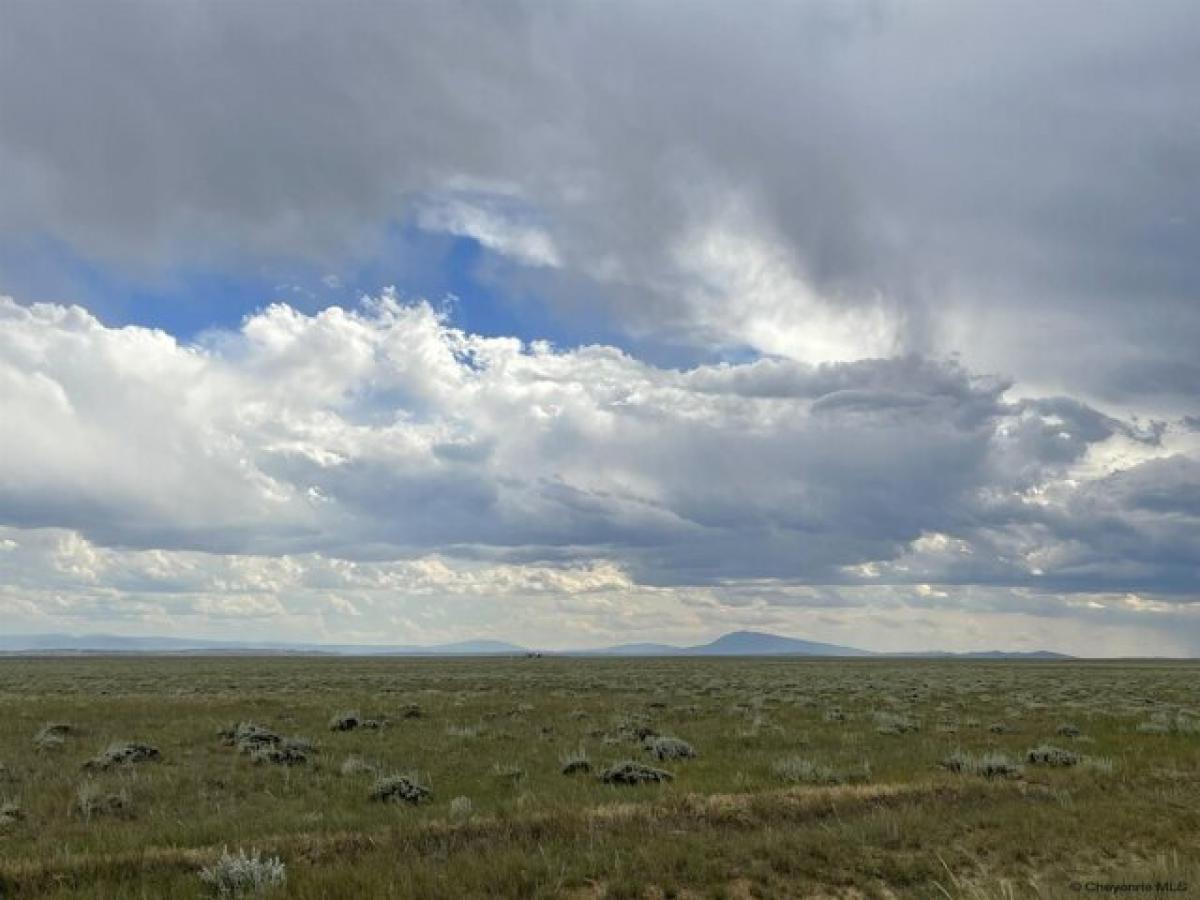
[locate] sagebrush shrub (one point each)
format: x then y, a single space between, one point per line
631 772
245 735
989 765
264 745
663 748
346 720
52 736
1045 755
798 770
243 874
634 727
122 754
285 752
400 789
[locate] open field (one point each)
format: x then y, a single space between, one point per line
833 778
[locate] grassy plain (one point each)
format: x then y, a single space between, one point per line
811 777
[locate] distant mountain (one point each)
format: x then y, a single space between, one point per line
758 643
737 643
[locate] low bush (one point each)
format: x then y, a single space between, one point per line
122 754
347 720
52 736
989 765
243 874
246 735
664 748
630 772
1045 755
400 789
800 770
284 752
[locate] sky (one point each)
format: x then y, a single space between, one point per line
572 324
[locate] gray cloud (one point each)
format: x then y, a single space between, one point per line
332 434
1017 181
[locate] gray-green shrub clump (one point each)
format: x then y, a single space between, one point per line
285 752
245 735
243 874
349 720
52 736
346 720
800 770
400 789
663 748
1045 755
631 772
122 754
989 765
263 745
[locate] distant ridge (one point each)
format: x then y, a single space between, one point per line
737 643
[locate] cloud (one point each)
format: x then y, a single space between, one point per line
821 180
56 580
384 433
493 229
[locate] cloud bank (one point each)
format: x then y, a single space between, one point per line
383 448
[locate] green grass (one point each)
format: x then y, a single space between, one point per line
737 820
